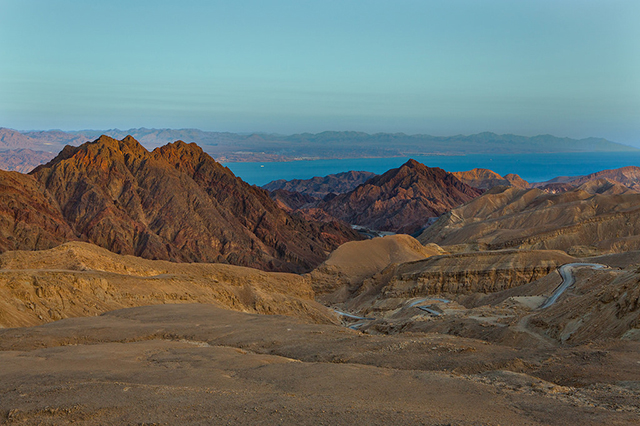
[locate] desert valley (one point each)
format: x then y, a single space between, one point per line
156 287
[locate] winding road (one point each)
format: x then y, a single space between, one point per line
348 315
568 279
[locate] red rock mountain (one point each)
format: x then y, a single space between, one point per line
29 217
177 203
401 200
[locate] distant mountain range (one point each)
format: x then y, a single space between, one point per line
234 147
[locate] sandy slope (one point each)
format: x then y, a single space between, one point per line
80 279
351 263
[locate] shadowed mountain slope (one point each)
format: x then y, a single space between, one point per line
321 186
401 200
177 203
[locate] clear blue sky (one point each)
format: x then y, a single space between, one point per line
565 67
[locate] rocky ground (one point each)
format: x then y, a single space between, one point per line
198 364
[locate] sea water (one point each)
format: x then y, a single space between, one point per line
530 167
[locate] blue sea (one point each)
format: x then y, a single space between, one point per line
530 167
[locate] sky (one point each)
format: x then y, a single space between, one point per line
561 67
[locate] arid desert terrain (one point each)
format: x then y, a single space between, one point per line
139 289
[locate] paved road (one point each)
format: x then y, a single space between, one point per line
568 279
348 315
416 302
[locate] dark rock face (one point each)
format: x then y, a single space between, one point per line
177 203
320 187
29 217
401 200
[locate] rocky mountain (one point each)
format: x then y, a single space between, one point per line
556 187
29 217
575 221
487 179
175 203
401 200
320 187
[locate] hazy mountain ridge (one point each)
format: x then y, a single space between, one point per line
23 160
228 147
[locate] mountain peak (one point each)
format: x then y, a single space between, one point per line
401 200
413 164
182 146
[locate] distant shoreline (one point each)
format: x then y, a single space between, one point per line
530 167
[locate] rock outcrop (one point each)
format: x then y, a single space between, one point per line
466 273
